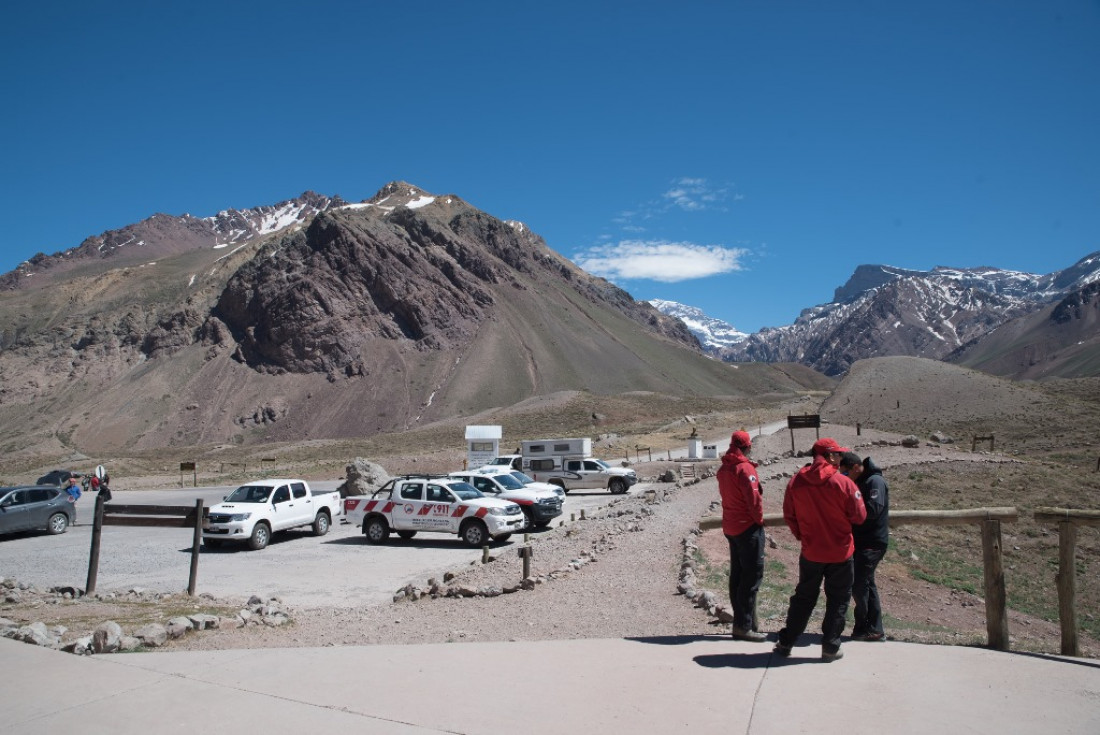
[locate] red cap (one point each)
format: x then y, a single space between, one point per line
741 440
826 445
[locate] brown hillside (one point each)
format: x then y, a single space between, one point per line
374 318
918 396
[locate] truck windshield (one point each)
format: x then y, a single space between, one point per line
249 494
508 481
465 491
601 463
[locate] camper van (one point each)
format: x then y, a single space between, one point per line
569 464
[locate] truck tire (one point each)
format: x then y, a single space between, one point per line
617 486
261 536
474 533
212 543
561 484
376 530
321 524
406 534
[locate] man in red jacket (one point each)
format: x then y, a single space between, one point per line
820 507
743 525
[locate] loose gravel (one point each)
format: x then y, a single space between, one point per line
612 574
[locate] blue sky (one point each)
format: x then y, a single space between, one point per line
742 157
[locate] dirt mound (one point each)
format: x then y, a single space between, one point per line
916 395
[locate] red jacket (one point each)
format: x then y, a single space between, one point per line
820 507
742 503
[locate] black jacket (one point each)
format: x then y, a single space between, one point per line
874 533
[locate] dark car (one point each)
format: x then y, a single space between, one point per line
33 508
57 478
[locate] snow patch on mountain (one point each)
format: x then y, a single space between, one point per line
713 334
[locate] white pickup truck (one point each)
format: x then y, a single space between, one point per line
435 503
569 464
253 512
581 473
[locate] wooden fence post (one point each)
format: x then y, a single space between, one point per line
525 554
1067 586
93 554
193 578
1066 580
996 602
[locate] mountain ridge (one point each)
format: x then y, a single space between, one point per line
882 311
360 319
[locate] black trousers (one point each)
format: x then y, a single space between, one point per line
746 574
838 590
865 592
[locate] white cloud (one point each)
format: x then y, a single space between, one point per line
659 260
693 195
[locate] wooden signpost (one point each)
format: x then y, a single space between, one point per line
808 421
168 516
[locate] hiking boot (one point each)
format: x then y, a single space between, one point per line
827 655
870 637
740 634
781 649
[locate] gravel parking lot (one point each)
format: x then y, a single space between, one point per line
338 569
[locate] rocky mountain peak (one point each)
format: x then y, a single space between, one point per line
713 334
319 318
882 310
164 235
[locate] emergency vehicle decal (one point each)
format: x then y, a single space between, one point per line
372 504
461 510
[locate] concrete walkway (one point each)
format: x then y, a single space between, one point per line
689 684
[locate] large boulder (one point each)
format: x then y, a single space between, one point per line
364 477
107 637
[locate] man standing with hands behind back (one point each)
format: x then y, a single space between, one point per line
743 525
820 507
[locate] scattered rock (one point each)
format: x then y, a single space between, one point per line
178 627
107 637
152 635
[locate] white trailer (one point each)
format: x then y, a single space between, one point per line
543 448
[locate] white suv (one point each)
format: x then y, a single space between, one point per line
524 479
